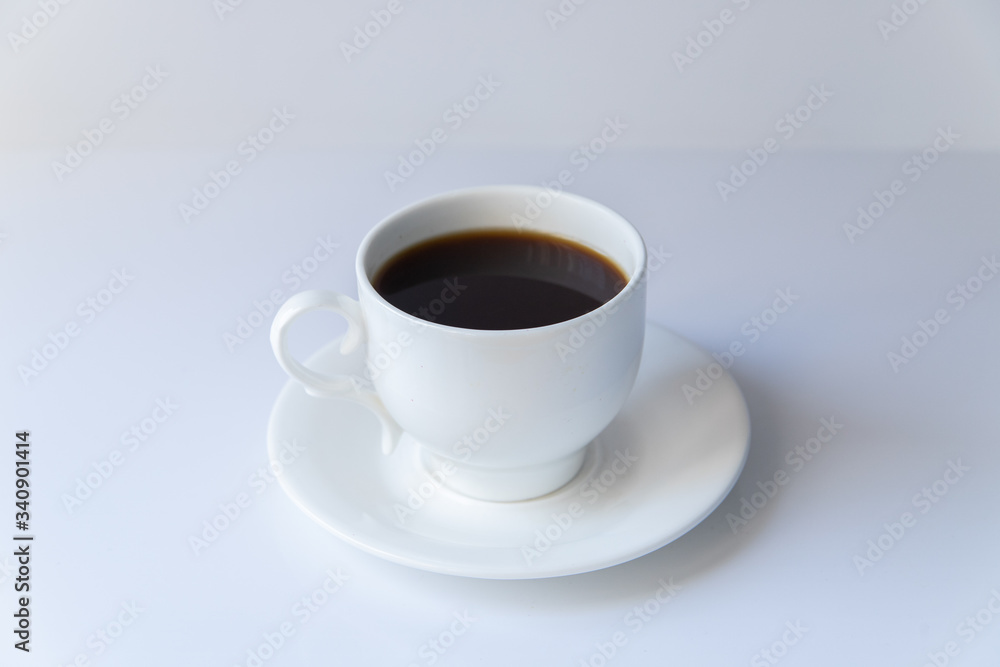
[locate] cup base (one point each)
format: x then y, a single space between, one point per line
502 484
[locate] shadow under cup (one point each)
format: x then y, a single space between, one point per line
508 413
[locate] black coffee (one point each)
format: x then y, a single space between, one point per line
495 279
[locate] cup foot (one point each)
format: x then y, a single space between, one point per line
502 484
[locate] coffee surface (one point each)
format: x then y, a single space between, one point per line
498 279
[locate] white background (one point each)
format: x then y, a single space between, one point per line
61 239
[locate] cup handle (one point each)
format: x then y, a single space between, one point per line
321 384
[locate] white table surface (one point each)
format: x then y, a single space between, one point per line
163 338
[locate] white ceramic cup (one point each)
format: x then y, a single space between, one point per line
511 410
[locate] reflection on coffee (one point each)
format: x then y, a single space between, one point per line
496 279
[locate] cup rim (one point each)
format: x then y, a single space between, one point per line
637 277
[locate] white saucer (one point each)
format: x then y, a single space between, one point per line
687 459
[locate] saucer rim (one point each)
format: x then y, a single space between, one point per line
470 568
